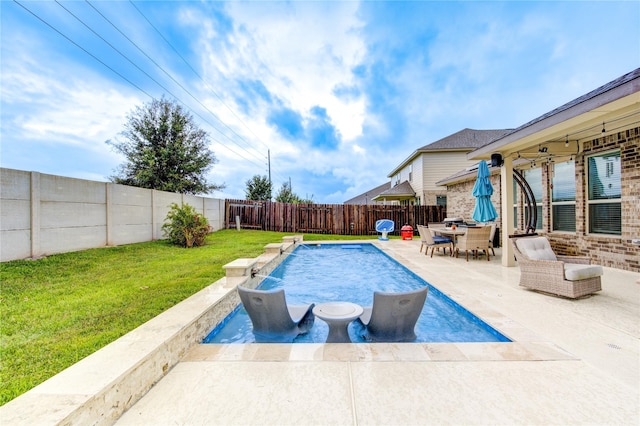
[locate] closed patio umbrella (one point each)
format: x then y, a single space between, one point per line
482 190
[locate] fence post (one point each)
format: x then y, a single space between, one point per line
154 232
35 214
108 195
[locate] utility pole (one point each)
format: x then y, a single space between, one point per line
269 163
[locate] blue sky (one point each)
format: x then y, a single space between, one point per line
339 92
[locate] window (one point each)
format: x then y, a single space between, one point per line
604 180
410 172
563 197
534 179
441 200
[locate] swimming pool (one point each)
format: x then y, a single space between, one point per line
352 272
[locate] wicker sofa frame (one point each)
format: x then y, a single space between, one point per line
548 275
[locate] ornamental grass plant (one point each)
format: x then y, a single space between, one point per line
59 309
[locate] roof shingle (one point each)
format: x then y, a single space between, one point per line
466 139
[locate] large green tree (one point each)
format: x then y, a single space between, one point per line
258 188
165 150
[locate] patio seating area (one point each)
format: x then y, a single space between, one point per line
474 239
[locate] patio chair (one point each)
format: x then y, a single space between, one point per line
428 239
542 270
273 320
476 238
393 316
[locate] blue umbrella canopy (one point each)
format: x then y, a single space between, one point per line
482 190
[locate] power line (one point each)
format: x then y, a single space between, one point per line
198 75
127 79
82 48
149 76
172 78
195 72
113 70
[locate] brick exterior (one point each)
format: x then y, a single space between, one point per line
460 202
430 197
616 252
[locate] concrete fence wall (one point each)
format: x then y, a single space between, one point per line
44 214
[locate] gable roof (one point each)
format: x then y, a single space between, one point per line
367 197
465 140
399 192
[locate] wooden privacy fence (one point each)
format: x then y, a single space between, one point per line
339 219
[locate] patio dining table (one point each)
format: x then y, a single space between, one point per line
451 233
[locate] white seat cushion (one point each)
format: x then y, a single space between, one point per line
577 272
536 248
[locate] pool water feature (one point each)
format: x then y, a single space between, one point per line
351 273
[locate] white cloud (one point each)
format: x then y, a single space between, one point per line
299 51
59 103
425 70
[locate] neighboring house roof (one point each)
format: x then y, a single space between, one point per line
367 197
401 191
465 140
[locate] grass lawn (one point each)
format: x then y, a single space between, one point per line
57 310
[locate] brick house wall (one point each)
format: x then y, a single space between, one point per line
430 198
616 252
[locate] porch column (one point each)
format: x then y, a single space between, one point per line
506 206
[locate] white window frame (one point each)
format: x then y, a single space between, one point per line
590 202
562 203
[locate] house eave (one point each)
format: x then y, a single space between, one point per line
619 106
465 176
394 197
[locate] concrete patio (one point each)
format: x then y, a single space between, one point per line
571 362
577 363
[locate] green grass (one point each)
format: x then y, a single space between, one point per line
57 310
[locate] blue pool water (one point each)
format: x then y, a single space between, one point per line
351 273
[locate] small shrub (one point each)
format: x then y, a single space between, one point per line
186 227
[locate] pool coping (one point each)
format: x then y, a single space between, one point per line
100 387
